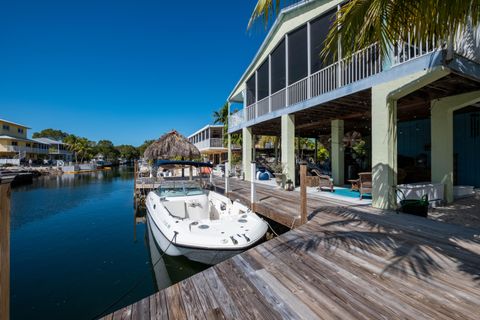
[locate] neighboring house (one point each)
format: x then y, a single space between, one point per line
209 140
417 111
57 150
15 146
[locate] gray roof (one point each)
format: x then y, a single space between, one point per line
48 141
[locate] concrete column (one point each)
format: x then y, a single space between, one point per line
338 153
442 137
384 131
384 148
254 155
288 145
247 139
229 148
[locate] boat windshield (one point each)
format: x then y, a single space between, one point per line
179 189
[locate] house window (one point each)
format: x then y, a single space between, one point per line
20 130
6 127
14 143
28 145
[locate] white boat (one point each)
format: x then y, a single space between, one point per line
202 225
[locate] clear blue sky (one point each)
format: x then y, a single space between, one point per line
121 70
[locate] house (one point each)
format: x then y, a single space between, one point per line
209 141
57 150
15 145
415 107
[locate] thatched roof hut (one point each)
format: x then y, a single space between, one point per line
171 145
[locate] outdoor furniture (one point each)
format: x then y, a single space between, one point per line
365 183
354 183
324 182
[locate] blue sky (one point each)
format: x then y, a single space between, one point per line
121 70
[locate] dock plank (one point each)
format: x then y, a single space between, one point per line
346 262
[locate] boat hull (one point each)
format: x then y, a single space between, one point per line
205 256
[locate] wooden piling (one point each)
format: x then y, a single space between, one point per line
135 165
5 247
303 194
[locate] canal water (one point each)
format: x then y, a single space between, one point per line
77 251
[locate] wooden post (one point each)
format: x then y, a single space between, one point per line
5 246
252 186
303 193
135 178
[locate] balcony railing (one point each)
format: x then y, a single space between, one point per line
360 65
210 143
25 149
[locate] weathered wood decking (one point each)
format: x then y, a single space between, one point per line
274 203
345 263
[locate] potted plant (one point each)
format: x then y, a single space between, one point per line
289 185
278 173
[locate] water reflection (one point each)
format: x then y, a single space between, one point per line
78 244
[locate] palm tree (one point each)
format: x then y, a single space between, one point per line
221 116
360 23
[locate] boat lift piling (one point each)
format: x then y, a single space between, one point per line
5 191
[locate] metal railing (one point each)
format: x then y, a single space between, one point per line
279 100
360 65
263 106
25 149
210 143
298 91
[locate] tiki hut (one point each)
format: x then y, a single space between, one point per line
170 146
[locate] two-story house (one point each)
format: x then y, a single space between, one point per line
415 106
15 145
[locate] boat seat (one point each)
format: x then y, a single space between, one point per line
176 208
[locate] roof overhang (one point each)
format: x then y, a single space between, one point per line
286 14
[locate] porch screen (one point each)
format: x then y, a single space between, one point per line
278 67
297 55
318 32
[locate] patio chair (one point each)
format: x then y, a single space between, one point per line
365 183
324 182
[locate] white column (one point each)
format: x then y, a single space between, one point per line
309 60
229 148
227 175
256 93
252 183
338 153
339 50
269 83
288 145
247 152
286 70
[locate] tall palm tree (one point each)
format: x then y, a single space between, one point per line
221 116
360 23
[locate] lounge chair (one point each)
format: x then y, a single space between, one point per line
324 182
365 183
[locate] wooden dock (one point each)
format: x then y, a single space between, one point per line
347 262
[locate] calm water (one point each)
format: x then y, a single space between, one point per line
76 249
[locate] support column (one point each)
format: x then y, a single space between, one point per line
338 153
229 148
247 139
288 146
384 149
442 137
384 131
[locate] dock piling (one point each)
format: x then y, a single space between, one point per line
5 191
